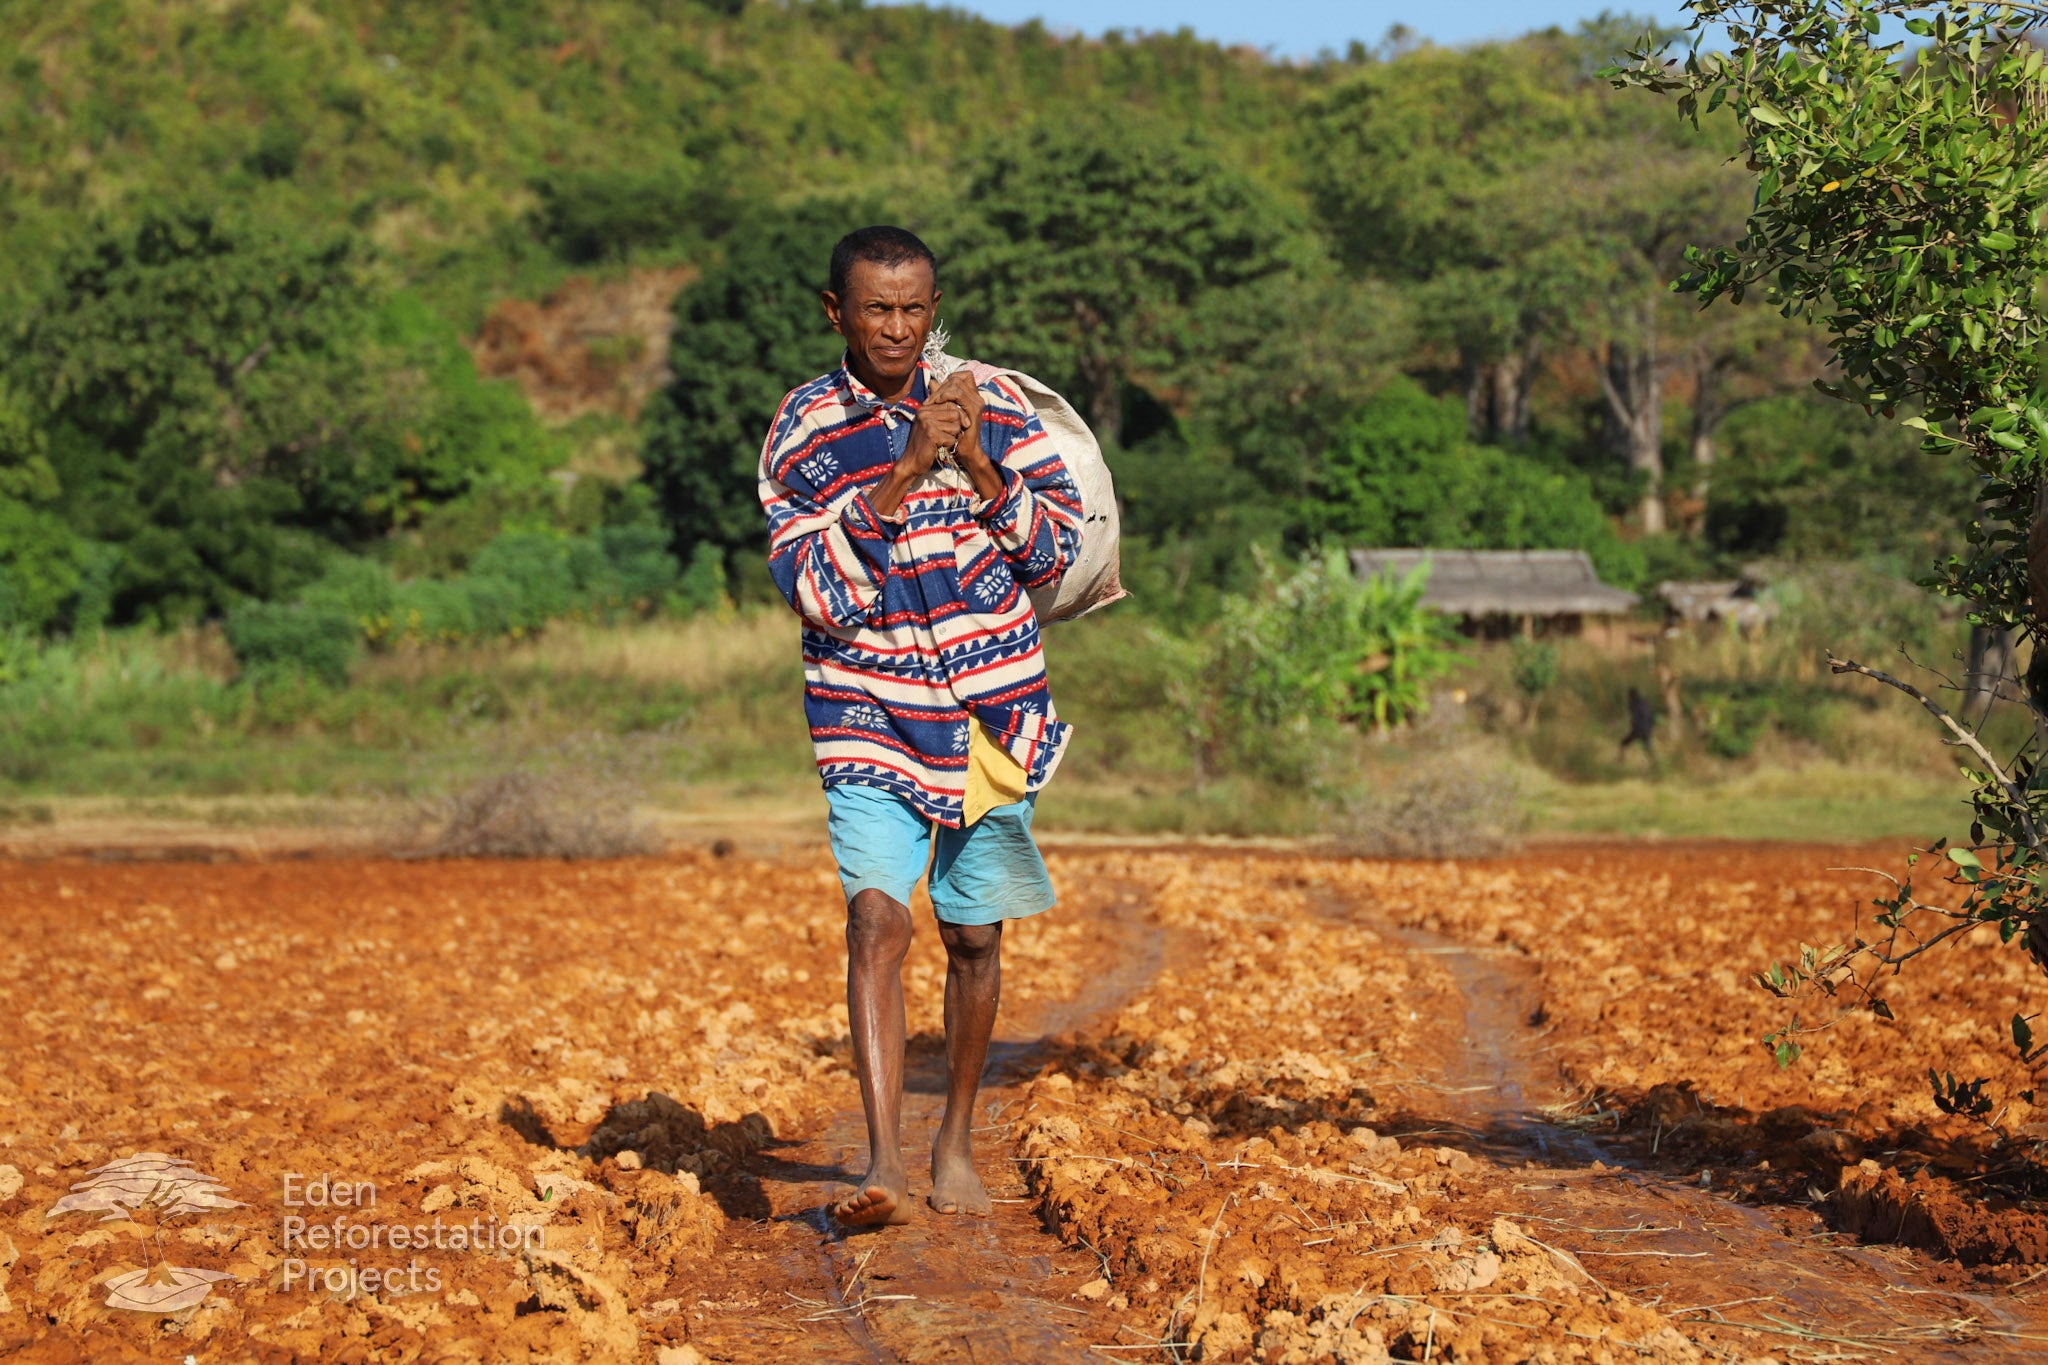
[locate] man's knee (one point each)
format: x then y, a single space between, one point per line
971 943
876 925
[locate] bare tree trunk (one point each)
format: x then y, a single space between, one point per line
1990 666
1497 396
1710 408
1632 382
2037 624
1101 380
1512 380
1106 412
1478 396
1705 422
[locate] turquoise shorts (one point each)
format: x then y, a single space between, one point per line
984 874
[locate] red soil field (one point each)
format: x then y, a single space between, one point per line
1246 1106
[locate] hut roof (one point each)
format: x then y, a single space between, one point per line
1503 582
1733 600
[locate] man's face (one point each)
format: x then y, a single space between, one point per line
885 315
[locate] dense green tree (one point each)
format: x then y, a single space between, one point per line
747 331
438 436
196 376
1404 472
42 560
1276 369
603 214
1804 477
1086 245
219 395
1531 209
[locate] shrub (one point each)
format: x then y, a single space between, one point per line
516 584
1403 472
595 215
577 801
296 637
1404 644
1316 645
1534 669
1458 801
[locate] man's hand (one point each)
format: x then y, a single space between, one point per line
959 389
950 419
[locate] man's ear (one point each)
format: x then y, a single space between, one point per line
831 302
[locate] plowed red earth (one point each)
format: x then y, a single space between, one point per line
1248 1107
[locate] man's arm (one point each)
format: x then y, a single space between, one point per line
942 423
1033 505
829 557
829 561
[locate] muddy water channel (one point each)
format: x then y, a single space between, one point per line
1737 1276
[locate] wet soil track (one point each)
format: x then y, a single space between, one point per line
949 1288
1497 1085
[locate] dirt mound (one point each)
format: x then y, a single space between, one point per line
1216 1147
592 346
1938 1215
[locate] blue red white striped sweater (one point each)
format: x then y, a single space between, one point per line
916 624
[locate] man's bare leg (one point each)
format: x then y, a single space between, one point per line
974 987
877 937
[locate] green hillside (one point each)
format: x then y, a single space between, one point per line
488 147
251 244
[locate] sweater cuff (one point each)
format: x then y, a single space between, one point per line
868 530
1000 513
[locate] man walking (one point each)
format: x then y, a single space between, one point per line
1642 727
906 519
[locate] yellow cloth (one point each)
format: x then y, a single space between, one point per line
994 776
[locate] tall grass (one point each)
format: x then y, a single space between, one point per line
710 709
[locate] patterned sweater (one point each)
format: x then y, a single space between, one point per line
917 623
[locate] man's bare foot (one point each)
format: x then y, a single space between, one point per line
876 1201
956 1187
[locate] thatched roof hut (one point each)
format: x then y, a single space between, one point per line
1557 587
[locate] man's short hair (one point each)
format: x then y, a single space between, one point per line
879 245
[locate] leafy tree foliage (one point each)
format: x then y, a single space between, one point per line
1404 473
1088 242
187 456
1900 201
1490 220
1533 210
43 562
1803 477
219 394
1314 644
591 215
747 331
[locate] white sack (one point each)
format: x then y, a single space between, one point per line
1091 581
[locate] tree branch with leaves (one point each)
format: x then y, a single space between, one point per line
1901 159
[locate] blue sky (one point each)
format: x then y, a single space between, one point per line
1303 27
